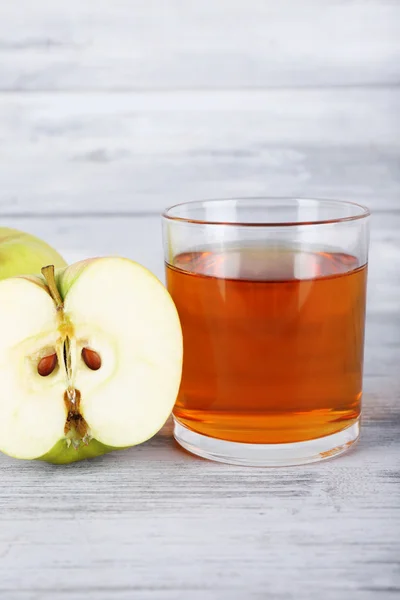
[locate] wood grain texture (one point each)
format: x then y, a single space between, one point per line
128 153
131 45
155 523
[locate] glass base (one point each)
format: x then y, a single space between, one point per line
266 455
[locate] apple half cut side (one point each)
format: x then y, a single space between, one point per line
90 360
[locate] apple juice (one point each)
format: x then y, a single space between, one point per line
273 342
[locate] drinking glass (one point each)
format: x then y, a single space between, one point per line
271 295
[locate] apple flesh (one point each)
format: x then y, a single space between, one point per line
90 360
22 253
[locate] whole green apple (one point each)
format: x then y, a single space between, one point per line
90 360
22 253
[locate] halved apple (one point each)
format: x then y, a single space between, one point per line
90 360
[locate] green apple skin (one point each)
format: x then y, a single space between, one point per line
62 454
22 253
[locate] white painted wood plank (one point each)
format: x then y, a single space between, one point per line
70 153
98 44
155 523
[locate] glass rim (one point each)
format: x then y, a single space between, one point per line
364 212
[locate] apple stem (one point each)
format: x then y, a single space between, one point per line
48 274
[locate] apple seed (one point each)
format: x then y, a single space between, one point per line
47 365
91 359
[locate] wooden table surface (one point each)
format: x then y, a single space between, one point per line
154 522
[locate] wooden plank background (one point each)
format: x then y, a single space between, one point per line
186 44
112 110
130 152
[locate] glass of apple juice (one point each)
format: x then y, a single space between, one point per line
271 296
